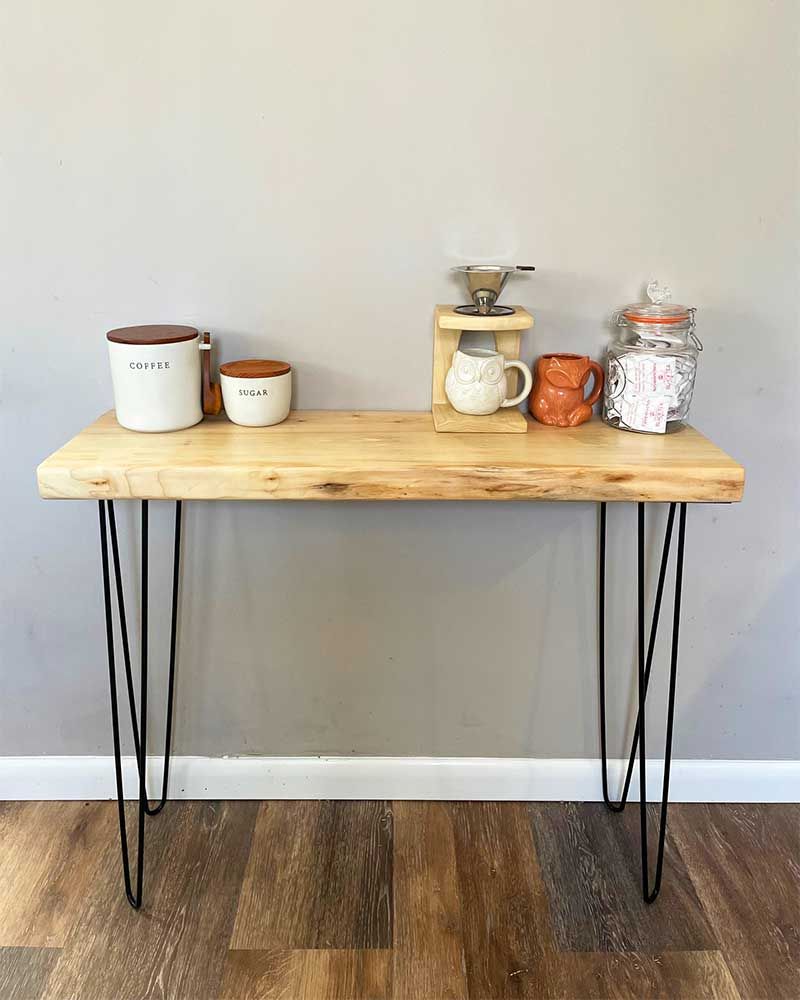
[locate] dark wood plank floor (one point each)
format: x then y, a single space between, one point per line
423 900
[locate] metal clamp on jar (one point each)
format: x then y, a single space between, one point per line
651 365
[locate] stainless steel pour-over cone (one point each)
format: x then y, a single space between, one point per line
484 283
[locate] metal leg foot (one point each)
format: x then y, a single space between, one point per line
645 662
106 510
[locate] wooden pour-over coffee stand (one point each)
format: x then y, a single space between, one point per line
386 455
448 325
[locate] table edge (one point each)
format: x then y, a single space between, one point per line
454 482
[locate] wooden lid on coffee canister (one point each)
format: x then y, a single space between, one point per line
253 368
157 333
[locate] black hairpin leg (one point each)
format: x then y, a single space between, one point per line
645 663
140 730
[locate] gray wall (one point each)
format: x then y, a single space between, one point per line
297 178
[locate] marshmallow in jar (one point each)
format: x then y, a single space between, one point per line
256 393
155 371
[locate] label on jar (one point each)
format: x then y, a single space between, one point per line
648 393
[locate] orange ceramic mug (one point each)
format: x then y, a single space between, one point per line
558 386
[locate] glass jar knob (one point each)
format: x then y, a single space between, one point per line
658 293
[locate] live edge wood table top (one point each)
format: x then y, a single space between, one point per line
385 455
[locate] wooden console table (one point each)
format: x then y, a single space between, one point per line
385 455
333 455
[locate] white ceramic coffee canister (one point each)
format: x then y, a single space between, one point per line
155 371
477 384
256 393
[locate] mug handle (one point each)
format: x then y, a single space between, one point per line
599 379
526 374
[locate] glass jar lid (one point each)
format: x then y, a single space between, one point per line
656 312
659 322
659 310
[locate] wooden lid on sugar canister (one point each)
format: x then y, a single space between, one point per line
157 333
253 368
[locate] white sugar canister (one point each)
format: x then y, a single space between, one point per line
256 393
155 371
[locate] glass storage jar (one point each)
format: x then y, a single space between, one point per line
651 364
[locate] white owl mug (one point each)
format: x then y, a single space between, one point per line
476 382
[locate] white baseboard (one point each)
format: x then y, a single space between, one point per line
442 778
